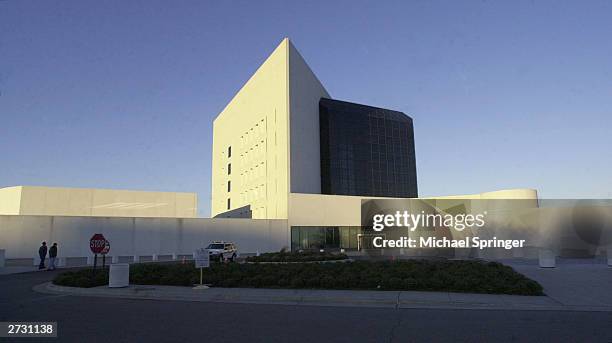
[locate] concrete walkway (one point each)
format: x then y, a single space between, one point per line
574 282
386 299
17 270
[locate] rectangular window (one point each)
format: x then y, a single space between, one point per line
229 186
229 151
229 203
229 169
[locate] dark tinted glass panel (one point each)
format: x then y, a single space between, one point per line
324 237
366 151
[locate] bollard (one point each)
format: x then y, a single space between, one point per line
119 275
115 259
257 253
90 260
609 253
136 258
174 257
2 258
402 252
547 258
155 257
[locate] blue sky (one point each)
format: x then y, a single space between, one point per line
121 94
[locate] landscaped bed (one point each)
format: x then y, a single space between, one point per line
291 257
410 275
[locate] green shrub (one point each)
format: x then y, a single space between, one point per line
296 256
82 278
415 275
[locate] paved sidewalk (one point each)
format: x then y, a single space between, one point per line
17 270
386 299
574 282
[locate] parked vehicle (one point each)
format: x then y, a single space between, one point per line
221 251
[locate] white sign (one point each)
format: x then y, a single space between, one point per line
202 259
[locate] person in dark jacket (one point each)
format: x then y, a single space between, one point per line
52 256
42 253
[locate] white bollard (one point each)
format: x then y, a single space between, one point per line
609 253
119 275
174 257
90 260
257 253
115 259
2 258
155 257
136 258
402 252
547 258
342 251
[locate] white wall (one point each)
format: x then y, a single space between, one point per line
21 236
345 210
10 200
62 201
254 123
305 91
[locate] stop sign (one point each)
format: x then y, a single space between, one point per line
106 248
97 243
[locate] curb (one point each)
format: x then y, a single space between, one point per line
383 299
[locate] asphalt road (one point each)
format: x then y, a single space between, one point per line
89 319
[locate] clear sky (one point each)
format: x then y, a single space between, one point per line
121 94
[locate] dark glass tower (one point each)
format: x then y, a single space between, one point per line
366 151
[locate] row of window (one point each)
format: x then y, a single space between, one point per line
229 172
255 134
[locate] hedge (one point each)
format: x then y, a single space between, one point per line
410 275
306 256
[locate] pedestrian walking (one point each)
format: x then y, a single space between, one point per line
42 253
52 256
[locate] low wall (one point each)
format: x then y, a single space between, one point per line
21 236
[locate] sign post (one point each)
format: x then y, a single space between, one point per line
97 243
104 252
202 260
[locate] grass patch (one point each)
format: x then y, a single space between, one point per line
411 275
306 256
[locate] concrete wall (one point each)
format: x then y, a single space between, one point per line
255 124
57 201
305 91
10 200
343 210
21 236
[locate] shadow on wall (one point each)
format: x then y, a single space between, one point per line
240 212
21 236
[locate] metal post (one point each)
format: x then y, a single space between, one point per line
95 263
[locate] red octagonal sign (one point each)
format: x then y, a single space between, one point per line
97 243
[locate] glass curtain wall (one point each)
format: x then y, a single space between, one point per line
324 237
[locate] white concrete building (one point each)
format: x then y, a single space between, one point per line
90 202
290 161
